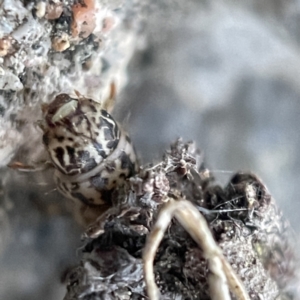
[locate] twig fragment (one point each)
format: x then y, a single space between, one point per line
222 277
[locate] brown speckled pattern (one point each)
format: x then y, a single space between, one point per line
90 153
97 189
79 141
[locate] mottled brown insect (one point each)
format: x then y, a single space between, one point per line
90 152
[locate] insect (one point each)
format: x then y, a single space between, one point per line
89 150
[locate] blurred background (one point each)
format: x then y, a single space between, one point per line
225 74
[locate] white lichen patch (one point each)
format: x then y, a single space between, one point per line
9 81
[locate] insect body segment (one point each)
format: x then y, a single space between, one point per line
91 153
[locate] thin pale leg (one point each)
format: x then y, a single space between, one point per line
109 103
222 275
37 167
96 228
